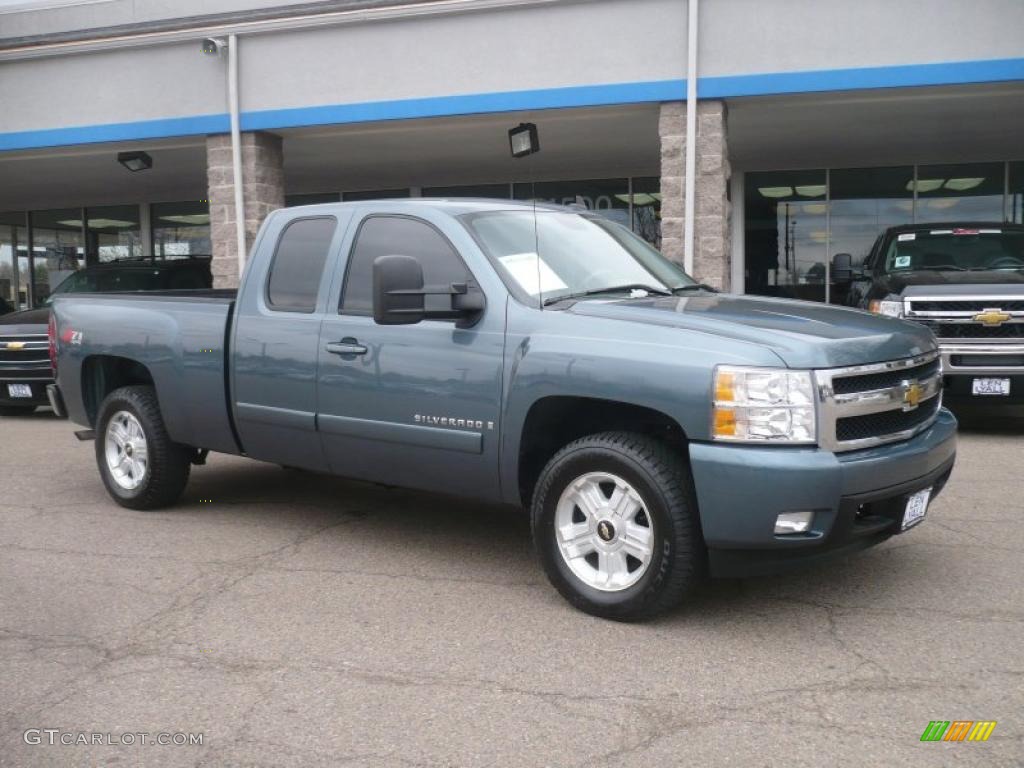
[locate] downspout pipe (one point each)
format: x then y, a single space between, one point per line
691 136
236 150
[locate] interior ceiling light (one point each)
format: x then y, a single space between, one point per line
99 224
192 219
811 190
961 184
135 161
925 185
775 192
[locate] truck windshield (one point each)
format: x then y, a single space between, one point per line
579 255
955 250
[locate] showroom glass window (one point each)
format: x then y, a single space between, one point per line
298 265
863 202
609 197
387 235
58 248
13 262
786 234
1015 198
494 191
314 198
181 230
113 233
647 209
962 192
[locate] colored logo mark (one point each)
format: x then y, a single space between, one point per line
958 730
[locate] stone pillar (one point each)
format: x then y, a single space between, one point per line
711 210
262 192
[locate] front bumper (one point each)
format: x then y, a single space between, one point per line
857 497
37 386
962 363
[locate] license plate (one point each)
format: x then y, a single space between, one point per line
917 507
19 390
990 387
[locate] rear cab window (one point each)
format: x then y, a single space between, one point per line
297 268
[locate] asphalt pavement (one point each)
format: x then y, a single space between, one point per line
291 619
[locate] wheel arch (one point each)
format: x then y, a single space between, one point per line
556 420
102 374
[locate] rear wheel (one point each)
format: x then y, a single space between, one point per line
615 525
141 466
16 410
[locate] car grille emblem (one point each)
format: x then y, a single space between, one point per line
992 317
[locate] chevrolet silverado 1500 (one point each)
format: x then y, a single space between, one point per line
655 429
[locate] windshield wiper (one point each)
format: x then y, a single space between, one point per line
613 289
940 268
695 287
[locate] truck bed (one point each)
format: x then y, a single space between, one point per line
180 336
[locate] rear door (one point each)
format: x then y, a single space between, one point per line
276 338
411 405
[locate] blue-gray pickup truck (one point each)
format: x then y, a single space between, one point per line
656 430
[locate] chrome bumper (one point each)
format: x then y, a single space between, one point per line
992 367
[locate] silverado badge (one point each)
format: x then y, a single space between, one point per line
991 317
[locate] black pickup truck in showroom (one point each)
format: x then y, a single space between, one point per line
965 281
25 368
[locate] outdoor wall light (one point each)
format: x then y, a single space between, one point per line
523 140
212 46
135 161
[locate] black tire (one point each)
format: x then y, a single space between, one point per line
662 478
16 410
168 464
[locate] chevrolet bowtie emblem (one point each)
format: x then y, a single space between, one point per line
991 317
15 345
912 392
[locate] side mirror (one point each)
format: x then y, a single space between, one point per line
399 297
397 290
842 268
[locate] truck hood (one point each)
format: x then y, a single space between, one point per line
804 334
25 321
932 283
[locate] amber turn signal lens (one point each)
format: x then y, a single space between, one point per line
725 422
725 387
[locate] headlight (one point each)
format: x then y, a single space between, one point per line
773 405
887 307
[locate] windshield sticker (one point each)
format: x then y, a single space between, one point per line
902 262
526 268
907 236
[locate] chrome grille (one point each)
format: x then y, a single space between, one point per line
968 344
866 405
25 356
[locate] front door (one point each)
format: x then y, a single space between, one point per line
410 405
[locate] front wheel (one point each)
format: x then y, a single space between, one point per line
616 528
140 465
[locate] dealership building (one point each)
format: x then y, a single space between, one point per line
751 140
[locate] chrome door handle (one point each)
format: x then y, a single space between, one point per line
347 346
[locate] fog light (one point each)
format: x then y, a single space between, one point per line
793 522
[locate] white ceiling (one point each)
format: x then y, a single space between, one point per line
580 143
875 128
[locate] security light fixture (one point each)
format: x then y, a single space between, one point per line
212 46
135 161
523 140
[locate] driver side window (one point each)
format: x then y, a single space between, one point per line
404 236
